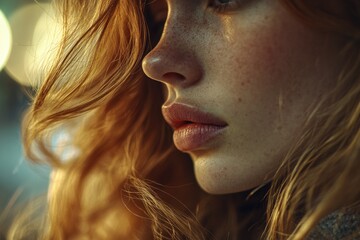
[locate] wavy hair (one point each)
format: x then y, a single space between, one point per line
125 179
321 168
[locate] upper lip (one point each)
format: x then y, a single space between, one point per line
178 114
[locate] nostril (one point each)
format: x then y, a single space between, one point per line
173 67
173 76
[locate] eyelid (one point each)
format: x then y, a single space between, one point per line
226 7
160 16
158 10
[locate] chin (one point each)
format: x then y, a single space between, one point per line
217 177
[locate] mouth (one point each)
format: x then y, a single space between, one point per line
193 128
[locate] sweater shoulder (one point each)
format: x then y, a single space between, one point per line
336 226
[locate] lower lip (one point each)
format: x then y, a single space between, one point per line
193 136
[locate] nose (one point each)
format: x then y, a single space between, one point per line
173 60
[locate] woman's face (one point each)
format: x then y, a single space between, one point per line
241 77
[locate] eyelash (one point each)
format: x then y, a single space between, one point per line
224 7
217 7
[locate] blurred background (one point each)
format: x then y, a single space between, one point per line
25 30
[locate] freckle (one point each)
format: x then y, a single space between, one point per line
239 100
279 128
242 83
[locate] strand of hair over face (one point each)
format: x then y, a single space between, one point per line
320 169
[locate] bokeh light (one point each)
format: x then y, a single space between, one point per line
46 39
5 40
15 172
28 34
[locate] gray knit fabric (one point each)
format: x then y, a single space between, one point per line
337 226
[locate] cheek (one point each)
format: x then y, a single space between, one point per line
269 60
265 75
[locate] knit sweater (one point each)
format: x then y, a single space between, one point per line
337 226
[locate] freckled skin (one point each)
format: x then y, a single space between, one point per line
258 69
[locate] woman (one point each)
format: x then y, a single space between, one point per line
261 100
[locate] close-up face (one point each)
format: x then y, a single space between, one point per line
241 78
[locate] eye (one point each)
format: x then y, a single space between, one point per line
221 6
157 10
158 26
157 30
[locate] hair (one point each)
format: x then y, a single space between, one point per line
124 178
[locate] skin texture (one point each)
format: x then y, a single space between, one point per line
256 67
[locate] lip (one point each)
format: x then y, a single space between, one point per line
193 128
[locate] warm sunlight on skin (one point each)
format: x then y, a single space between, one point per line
256 68
5 40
